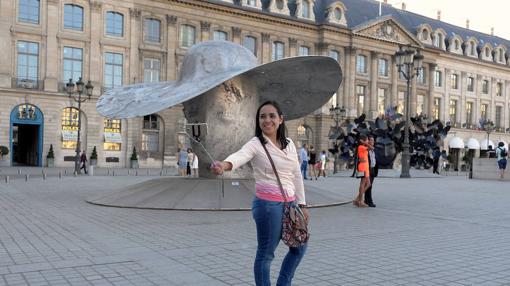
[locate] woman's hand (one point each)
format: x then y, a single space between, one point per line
306 213
217 168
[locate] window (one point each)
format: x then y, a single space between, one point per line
112 132
69 127
151 68
470 84
436 109
499 89
381 100
28 11
438 78
152 30
250 43
361 64
150 133
334 54
453 111
421 76
251 3
304 51
485 86
420 99
187 36
425 35
438 39
278 51
113 70
469 113
401 97
473 48
28 62
383 67
456 44
73 62
454 81
279 4
498 116
73 17
114 24
338 14
501 56
487 52
305 9
483 112
220 36
360 92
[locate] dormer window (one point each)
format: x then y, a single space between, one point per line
457 44
425 35
338 14
305 9
501 56
279 4
487 52
473 49
251 3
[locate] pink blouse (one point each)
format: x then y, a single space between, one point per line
286 162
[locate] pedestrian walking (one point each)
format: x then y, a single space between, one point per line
374 171
194 165
312 170
502 155
362 170
182 161
83 162
303 157
267 208
436 154
322 163
190 161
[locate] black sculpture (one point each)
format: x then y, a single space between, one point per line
388 132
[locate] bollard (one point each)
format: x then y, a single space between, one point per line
108 172
19 171
65 171
60 174
136 173
26 177
113 173
128 171
7 179
44 176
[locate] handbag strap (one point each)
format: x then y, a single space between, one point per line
275 172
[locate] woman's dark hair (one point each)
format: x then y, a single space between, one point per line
501 144
281 135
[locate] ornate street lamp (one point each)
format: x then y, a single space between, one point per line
338 115
75 94
410 64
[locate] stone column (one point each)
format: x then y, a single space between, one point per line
492 106
429 102
351 106
461 114
293 51
340 92
52 48
506 107
205 28
135 58
95 63
372 108
477 101
172 45
236 35
413 97
7 13
394 82
266 48
445 116
346 78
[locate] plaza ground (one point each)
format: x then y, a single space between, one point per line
424 231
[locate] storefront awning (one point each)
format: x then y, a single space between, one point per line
484 145
473 144
456 142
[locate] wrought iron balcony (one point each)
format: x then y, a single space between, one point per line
27 83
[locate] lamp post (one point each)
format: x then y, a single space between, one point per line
409 63
338 114
75 94
488 126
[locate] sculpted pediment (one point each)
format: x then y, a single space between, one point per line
387 29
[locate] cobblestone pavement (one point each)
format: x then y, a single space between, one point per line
426 231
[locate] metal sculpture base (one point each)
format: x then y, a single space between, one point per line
200 194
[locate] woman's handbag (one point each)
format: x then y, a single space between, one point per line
294 224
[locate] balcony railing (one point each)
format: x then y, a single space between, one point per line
27 83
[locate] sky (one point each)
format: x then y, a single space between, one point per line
482 14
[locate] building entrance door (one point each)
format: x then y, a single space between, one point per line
26 135
24 145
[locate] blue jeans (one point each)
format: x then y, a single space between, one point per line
304 167
268 218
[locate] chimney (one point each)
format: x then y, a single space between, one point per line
492 31
403 6
439 15
467 24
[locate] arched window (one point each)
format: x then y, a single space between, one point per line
69 126
152 30
279 4
150 133
29 11
114 24
250 43
456 44
473 48
112 134
73 17
487 52
338 13
425 35
187 36
220 36
305 9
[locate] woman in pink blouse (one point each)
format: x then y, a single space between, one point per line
267 206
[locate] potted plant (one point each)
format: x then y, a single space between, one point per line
93 157
134 159
50 158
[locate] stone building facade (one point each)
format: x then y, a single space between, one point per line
112 43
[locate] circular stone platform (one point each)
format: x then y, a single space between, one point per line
199 194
